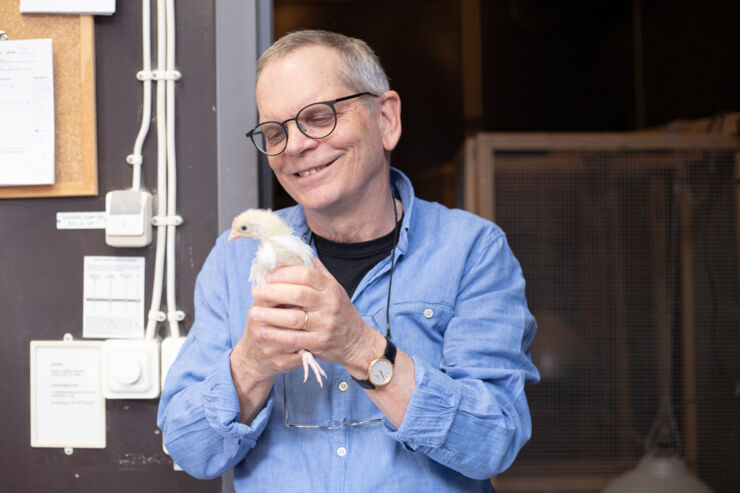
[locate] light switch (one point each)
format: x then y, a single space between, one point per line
130 368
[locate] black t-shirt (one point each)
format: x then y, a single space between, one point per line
349 262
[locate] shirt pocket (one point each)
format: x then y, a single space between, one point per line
417 327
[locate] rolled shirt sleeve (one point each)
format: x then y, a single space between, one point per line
199 404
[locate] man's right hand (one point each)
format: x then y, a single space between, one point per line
256 362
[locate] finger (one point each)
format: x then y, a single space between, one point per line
287 318
290 340
294 274
276 294
262 303
321 267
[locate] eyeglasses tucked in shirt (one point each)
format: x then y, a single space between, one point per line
345 422
328 426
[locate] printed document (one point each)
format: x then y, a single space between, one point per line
26 112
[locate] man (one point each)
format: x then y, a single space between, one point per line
419 317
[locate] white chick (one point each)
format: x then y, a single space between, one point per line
278 247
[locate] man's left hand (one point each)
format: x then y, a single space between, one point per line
335 332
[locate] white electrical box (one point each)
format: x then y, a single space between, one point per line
170 348
128 218
130 368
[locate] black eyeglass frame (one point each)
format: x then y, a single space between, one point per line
329 103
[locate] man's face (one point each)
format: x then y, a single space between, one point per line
333 174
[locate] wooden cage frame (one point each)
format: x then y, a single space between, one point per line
480 170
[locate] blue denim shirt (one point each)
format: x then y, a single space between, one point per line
457 308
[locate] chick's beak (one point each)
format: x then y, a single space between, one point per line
234 235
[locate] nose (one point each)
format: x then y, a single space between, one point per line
298 142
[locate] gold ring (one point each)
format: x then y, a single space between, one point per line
305 320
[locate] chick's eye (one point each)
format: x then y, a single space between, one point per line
244 227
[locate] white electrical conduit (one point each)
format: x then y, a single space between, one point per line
173 314
136 159
155 315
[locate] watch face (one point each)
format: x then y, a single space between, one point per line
381 372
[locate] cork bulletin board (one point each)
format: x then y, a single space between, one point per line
75 154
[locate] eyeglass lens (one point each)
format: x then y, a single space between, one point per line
315 121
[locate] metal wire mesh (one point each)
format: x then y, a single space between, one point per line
631 266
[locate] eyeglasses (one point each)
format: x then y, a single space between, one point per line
316 121
345 422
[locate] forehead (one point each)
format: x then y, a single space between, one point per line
303 76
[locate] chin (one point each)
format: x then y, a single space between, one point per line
319 204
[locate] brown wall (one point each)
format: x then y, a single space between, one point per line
41 267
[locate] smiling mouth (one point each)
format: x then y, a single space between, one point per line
312 171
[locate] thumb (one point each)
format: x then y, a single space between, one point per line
320 267
323 270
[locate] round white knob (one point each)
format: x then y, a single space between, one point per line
126 369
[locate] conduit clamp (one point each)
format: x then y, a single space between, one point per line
158 75
135 159
145 75
176 316
167 75
167 220
157 316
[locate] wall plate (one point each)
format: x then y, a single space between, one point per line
170 349
130 368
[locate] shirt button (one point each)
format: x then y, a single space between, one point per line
341 451
343 386
428 313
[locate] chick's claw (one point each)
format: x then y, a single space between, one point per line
310 361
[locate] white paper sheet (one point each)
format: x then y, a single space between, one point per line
26 112
67 404
105 7
114 298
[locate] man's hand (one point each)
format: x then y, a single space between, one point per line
255 363
263 358
335 332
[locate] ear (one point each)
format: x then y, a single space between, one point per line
390 119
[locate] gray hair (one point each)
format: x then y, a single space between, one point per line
361 70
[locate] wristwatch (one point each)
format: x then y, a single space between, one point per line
380 370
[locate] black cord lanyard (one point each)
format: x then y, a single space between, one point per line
390 275
396 229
